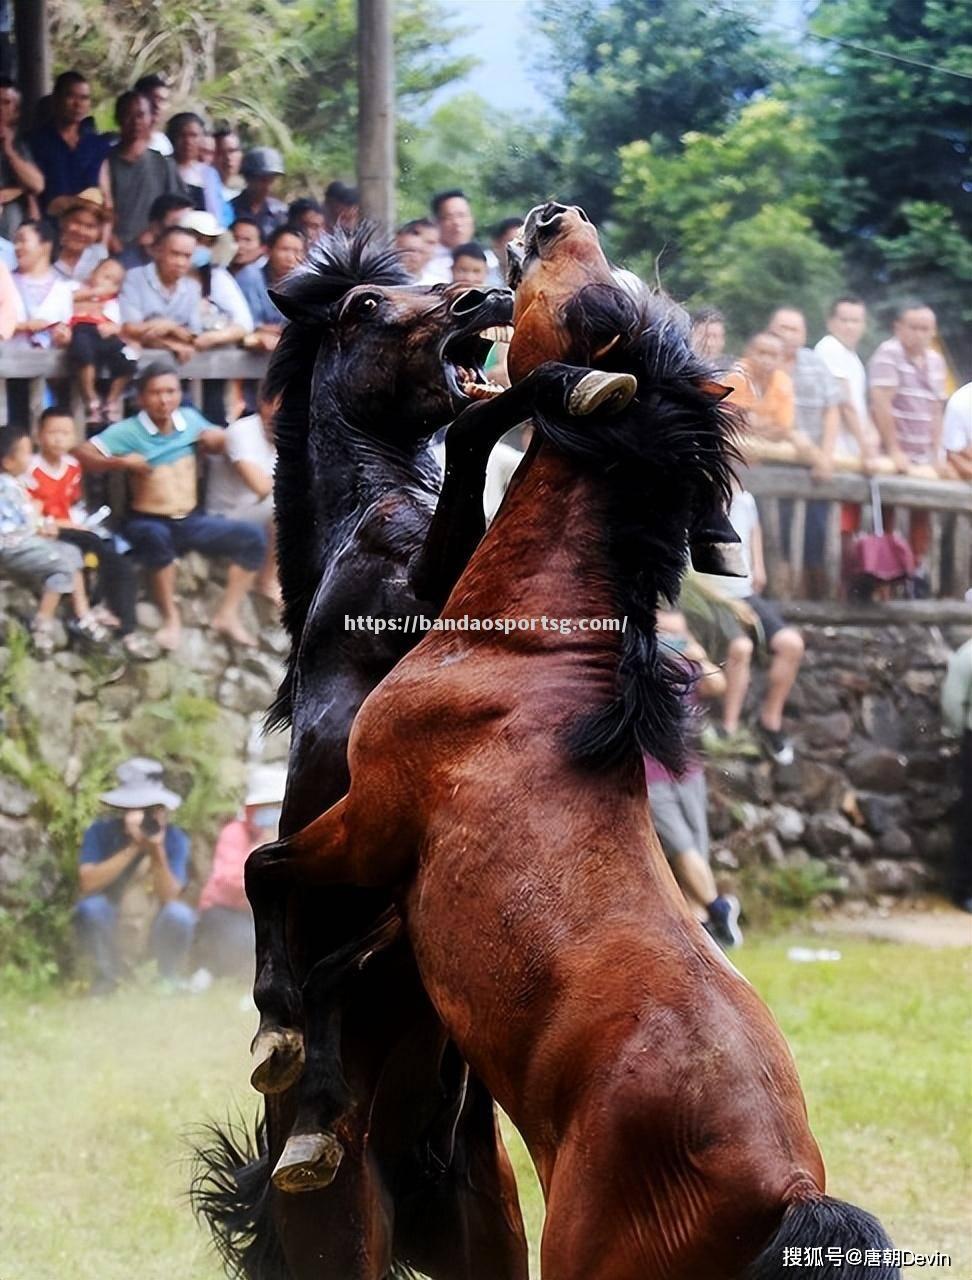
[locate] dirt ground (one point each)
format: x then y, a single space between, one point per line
928 922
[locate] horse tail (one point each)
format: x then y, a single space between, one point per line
230 1191
824 1239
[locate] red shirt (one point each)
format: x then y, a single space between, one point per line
224 888
57 489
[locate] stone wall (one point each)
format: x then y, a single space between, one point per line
79 707
870 791
867 797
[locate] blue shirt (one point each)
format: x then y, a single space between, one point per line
144 297
67 170
254 282
139 434
106 837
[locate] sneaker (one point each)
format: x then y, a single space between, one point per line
723 922
776 744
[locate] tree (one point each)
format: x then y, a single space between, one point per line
729 217
503 166
899 139
645 70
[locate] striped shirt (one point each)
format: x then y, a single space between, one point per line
919 389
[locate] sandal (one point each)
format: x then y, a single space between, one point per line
42 637
141 648
91 629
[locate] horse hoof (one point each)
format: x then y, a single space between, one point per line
600 390
308 1162
278 1060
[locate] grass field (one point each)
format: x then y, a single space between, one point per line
97 1096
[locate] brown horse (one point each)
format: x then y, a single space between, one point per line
496 786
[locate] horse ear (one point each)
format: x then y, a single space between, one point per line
716 390
298 309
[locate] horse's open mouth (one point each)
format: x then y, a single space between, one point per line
463 358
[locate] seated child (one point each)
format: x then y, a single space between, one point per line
54 482
96 349
30 550
679 804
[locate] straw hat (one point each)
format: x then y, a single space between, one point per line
91 198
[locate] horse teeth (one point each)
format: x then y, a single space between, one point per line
498 333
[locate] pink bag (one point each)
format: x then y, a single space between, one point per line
880 557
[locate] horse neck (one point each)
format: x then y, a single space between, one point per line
545 553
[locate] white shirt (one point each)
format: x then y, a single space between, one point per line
957 432
503 461
227 296
744 518
848 366
438 269
227 494
160 143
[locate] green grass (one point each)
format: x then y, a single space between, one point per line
97 1095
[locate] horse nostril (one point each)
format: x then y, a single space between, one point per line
469 301
549 219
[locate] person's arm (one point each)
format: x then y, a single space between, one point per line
228 336
29 177
165 884
756 559
938 414
961 462
712 681
98 460
254 477
957 689
881 411
823 468
94 877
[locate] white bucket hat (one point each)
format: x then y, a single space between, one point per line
141 793
266 784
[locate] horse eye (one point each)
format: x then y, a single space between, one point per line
369 306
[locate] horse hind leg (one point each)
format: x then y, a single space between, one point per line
462 1219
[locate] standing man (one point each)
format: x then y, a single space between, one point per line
957 710
454 217
908 386
135 173
156 89
20 179
340 206
134 866
957 432
856 437
158 450
228 158
261 168
817 398
68 152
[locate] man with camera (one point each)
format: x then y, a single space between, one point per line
133 869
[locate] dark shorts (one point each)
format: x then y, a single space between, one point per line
158 540
770 619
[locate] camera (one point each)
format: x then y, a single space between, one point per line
150 824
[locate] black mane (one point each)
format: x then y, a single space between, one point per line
338 263
664 459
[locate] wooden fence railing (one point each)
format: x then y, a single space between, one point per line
38 367
949 503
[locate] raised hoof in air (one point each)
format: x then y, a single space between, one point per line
308 1162
278 1060
600 390
724 559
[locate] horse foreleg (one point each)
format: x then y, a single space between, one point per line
316 855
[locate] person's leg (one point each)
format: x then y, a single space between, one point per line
739 661
171 938
82 355
226 942
153 544
786 654
694 876
245 545
95 920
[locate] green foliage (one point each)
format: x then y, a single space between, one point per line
729 217
779 896
185 730
35 940
645 70
900 138
503 166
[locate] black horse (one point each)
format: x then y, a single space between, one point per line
368 369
